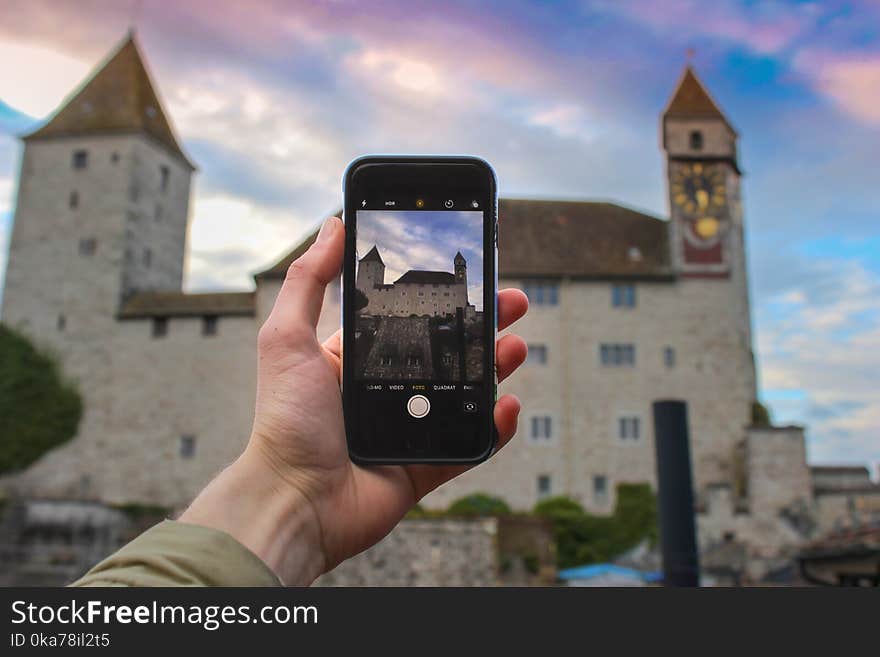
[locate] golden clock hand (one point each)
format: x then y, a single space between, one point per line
702 198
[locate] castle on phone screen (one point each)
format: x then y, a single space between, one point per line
417 292
626 307
421 326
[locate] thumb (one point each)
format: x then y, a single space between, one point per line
302 293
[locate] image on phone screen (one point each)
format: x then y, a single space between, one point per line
419 296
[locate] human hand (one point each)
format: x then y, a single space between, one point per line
294 497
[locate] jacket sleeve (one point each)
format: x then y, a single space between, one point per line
180 554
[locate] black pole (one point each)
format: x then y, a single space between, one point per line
678 534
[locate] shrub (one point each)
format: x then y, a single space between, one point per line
583 538
479 504
760 415
38 409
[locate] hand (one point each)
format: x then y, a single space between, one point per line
294 497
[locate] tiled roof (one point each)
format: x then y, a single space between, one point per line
423 276
586 239
182 304
691 100
118 97
840 469
581 239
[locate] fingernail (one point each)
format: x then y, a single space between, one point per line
327 229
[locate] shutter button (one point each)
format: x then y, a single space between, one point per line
418 406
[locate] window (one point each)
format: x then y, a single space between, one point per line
542 293
164 174
160 327
80 159
62 322
545 486
623 296
385 360
209 325
600 489
447 359
187 446
541 428
148 258
537 354
114 158
696 140
669 357
73 200
413 360
87 246
629 428
617 355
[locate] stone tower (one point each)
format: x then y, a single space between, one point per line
371 271
704 180
102 207
708 253
460 269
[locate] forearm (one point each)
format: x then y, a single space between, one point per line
265 514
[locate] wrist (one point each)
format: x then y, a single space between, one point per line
266 514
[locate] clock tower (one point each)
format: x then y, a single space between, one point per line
704 179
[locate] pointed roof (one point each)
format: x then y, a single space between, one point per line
458 257
373 256
119 96
691 100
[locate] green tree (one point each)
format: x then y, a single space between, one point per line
479 504
38 409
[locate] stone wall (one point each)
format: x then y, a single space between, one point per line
51 543
425 553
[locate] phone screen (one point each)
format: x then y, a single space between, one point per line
419 349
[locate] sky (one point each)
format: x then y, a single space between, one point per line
426 240
273 98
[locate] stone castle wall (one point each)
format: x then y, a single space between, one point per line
425 553
405 299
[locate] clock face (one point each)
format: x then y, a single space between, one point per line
698 191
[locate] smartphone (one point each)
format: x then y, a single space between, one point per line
419 309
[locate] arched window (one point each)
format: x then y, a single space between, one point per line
696 140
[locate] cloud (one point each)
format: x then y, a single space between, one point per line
851 80
37 95
765 27
819 348
262 236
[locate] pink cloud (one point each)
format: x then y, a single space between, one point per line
766 29
851 81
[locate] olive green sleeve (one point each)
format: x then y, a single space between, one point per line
180 554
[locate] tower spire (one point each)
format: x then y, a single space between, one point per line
691 100
118 97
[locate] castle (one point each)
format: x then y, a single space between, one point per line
417 292
422 326
626 308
